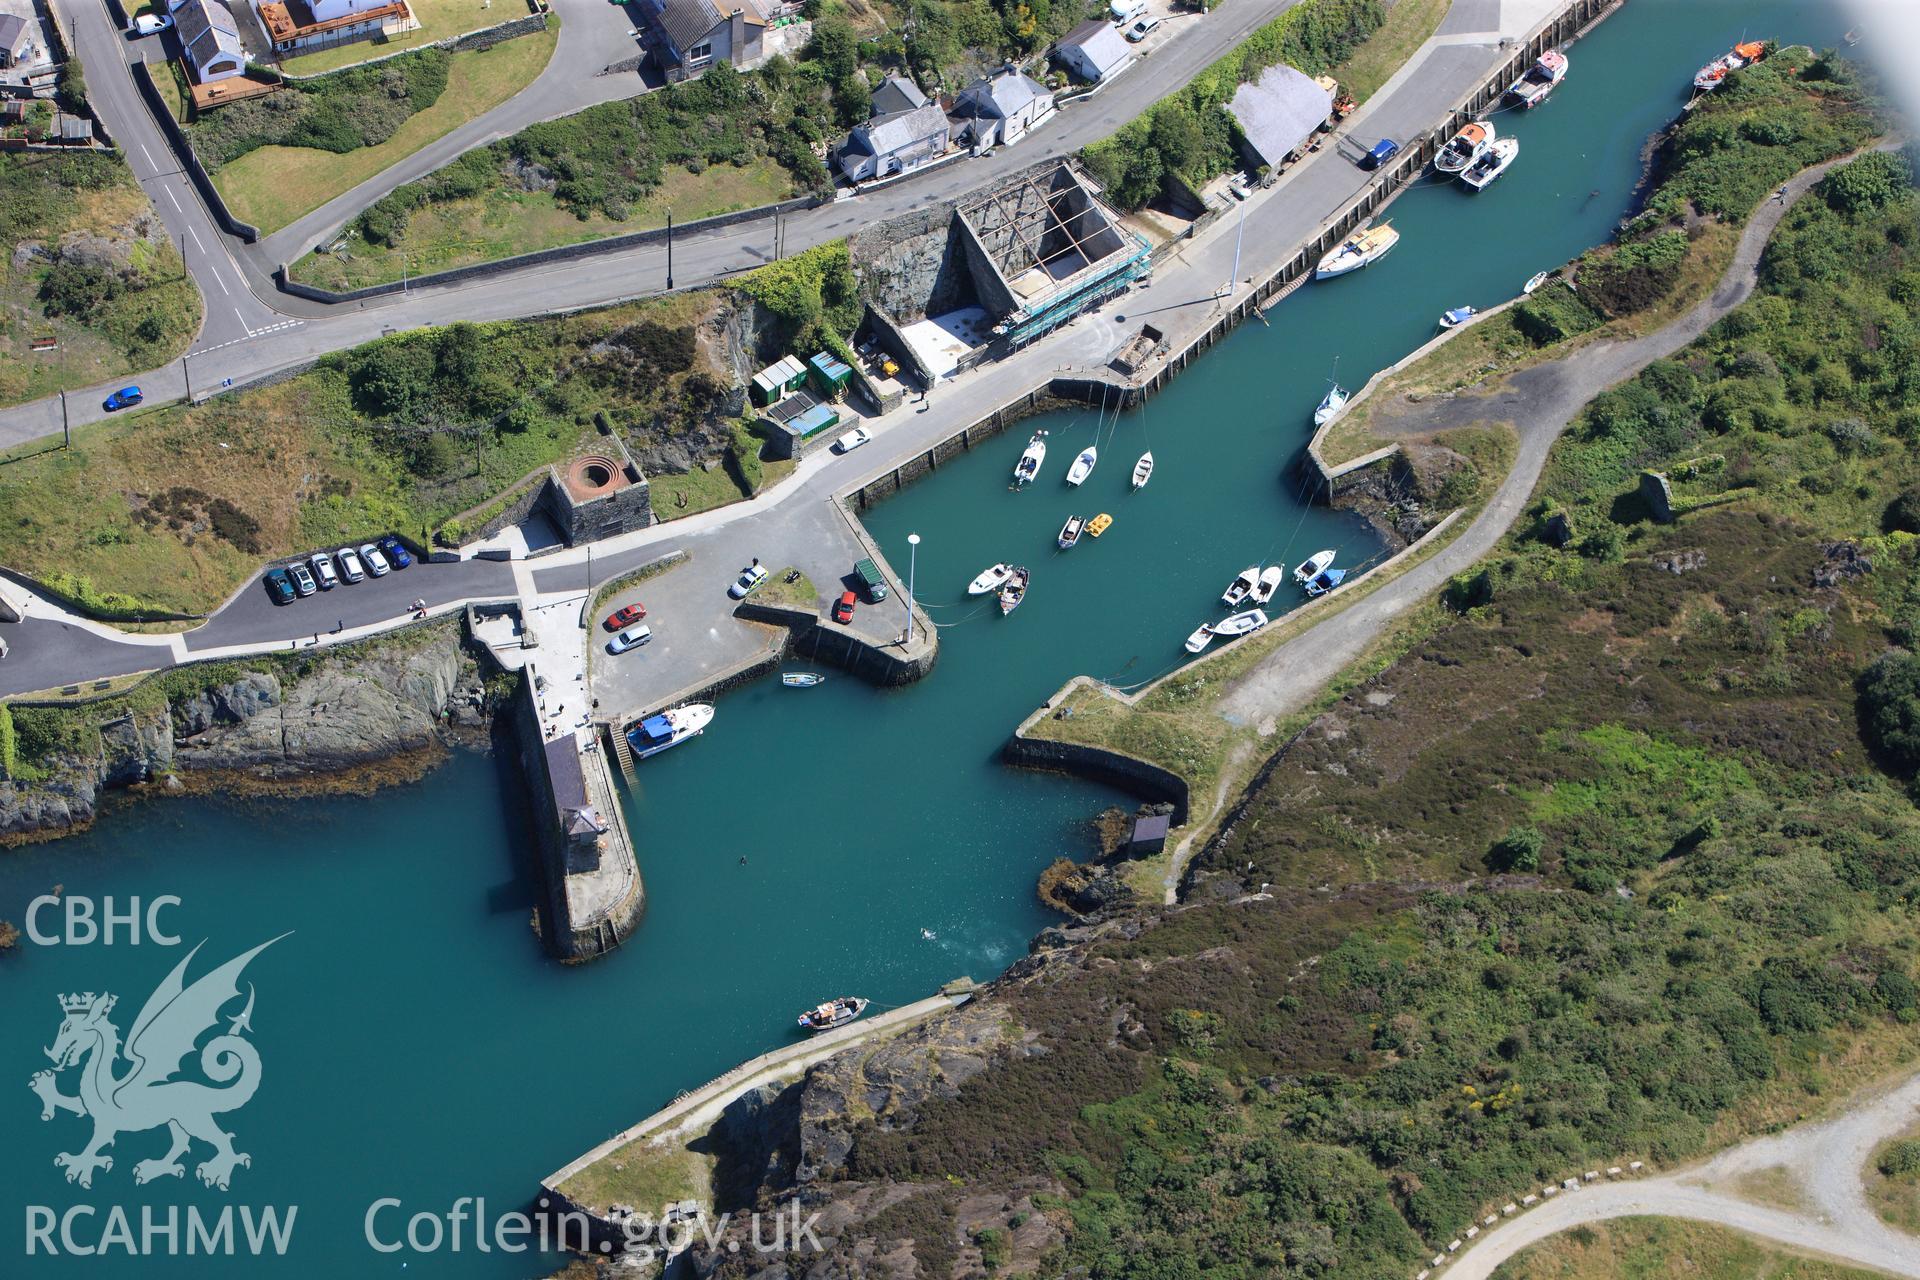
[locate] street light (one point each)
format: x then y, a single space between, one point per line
913 556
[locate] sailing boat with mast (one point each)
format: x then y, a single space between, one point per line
1335 399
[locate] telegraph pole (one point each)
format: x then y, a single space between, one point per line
669 248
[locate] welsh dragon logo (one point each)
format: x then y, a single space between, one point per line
146 1095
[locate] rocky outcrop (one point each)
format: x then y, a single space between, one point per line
291 722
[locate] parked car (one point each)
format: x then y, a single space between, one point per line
748 583
350 566
852 440
124 398
625 617
631 638
871 580
1142 27
279 586
843 611
396 551
302 580
376 563
323 571
1381 152
151 24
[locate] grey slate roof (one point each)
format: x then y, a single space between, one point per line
688 22
1101 42
1279 111
1003 94
897 93
13 32
885 134
205 28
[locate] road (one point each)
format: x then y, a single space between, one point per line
1826 1160
253 330
789 524
1543 401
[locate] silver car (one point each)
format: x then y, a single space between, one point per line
350 565
375 560
323 570
302 580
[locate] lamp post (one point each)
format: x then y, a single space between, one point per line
913 557
669 248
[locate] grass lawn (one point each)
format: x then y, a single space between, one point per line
272 186
503 223
1655 1248
148 321
798 594
648 1178
696 491
167 80
439 20
1408 24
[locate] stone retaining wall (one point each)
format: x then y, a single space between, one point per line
283 277
183 152
1134 776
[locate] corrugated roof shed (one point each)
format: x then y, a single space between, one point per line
1279 111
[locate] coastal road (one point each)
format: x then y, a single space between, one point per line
784 525
1542 402
254 330
1826 1161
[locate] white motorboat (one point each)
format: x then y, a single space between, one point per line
1312 567
1330 405
1070 532
1361 249
1028 467
833 1013
1143 470
1481 173
1270 578
1466 146
1457 316
801 679
669 729
1531 89
1241 624
1534 281
1082 466
1201 638
1241 587
990 580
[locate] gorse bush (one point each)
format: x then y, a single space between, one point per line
1890 708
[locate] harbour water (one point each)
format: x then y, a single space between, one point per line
418 1046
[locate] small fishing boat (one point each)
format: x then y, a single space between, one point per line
834 1013
1143 470
990 580
1324 582
1312 567
801 679
1466 146
1201 638
1099 525
1531 89
1241 587
1852 37
1711 76
1082 466
1014 592
1481 173
1270 578
1028 467
1330 404
1458 316
1534 281
1361 249
1241 624
1070 532
669 729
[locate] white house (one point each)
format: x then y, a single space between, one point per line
211 40
897 93
1003 106
894 143
688 36
1094 51
335 22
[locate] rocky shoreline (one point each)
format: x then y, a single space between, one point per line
348 721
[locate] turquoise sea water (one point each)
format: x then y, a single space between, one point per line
418 1044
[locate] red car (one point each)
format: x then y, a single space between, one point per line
625 617
843 612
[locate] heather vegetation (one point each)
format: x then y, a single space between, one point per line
358 107
1188 137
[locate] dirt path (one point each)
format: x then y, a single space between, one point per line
1824 1160
1542 400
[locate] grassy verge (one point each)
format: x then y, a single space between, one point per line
798 594
439 20
1633 1248
1409 24
1893 1181
271 186
648 1178
693 492
509 221
121 303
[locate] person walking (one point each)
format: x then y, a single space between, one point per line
1780 196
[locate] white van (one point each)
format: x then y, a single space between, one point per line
1125 11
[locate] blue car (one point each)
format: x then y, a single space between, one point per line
396 553
124 398
279 585
1381 152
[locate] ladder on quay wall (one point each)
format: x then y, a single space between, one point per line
621 751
